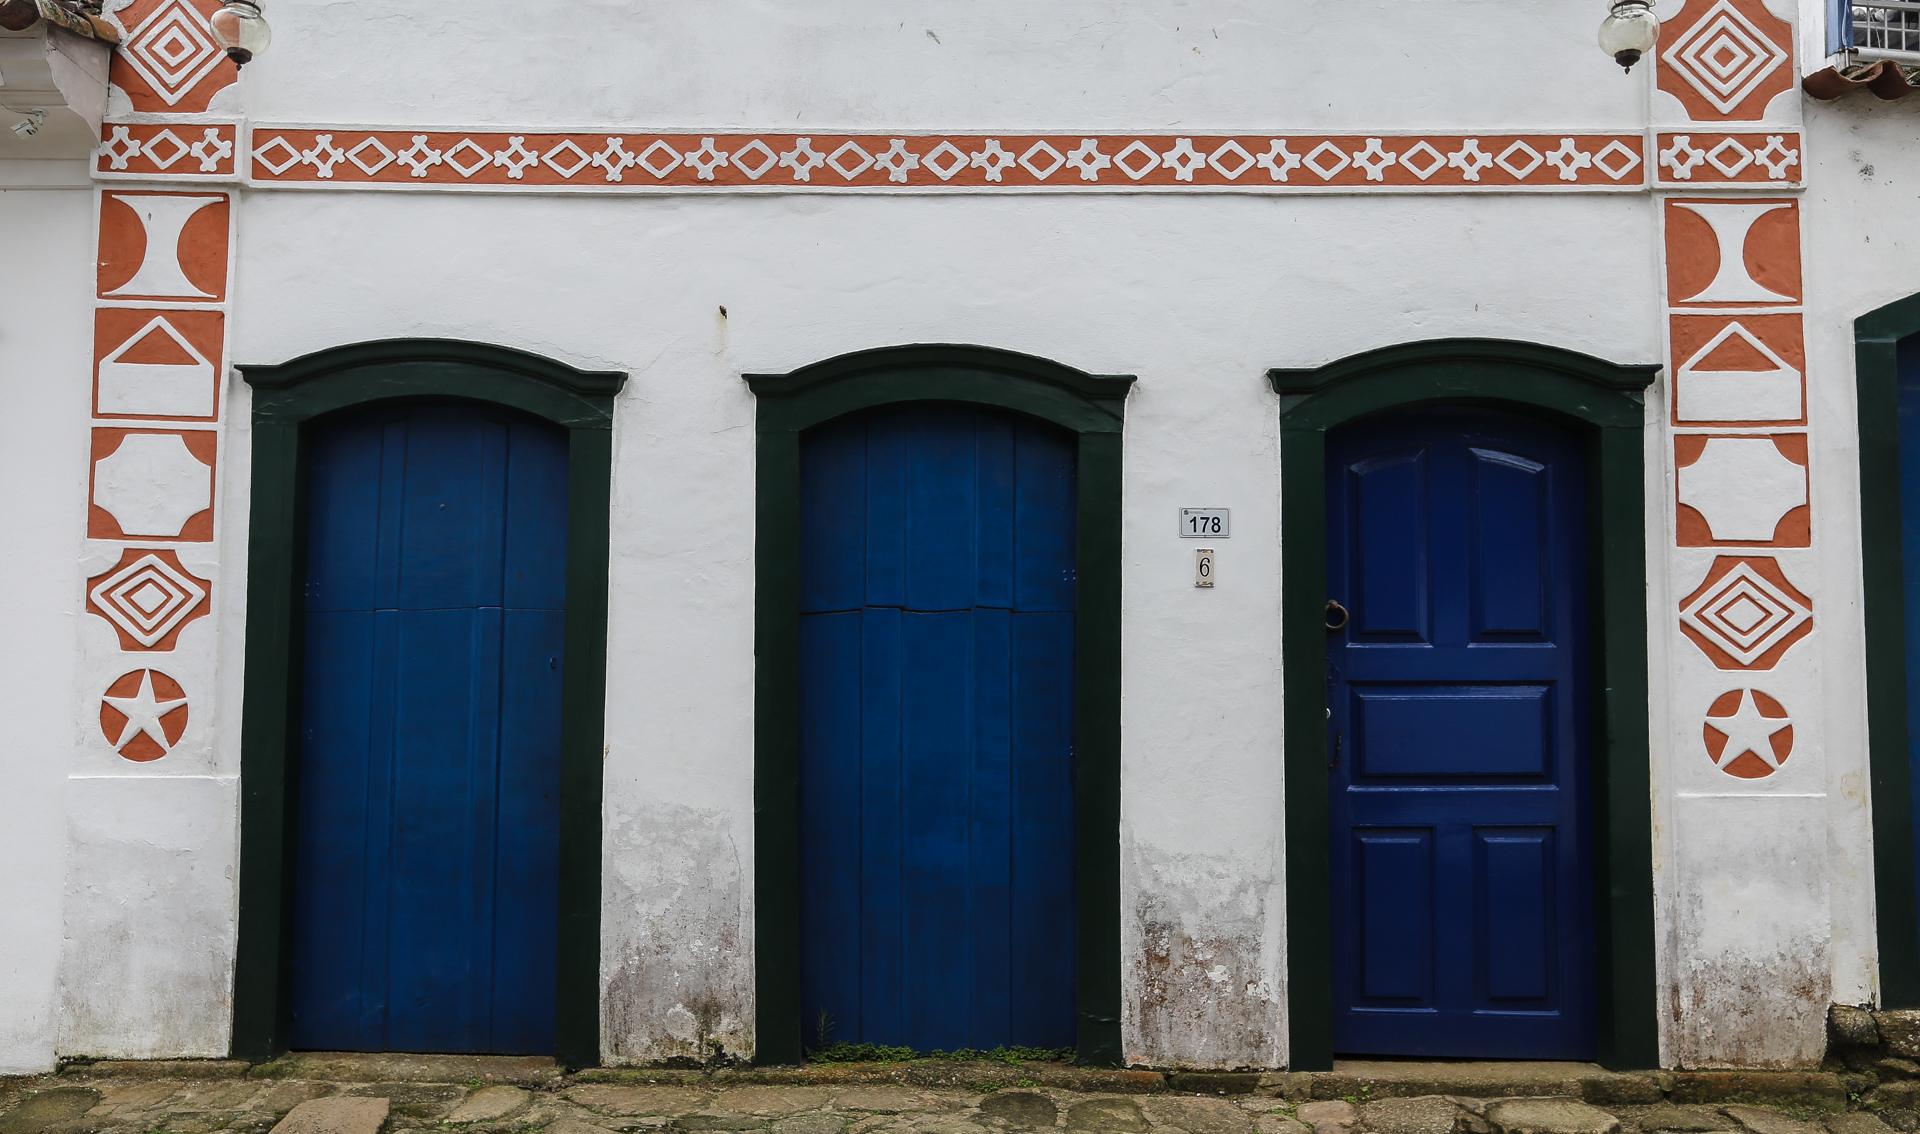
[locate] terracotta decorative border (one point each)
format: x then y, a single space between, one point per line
1709 158
335 156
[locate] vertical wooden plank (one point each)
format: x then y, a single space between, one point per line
1046 523
883 989
940 503
830 832
989 806
1042 978
937 735
832 565
886 509
994 538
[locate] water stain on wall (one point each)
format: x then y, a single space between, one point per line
676 959
1199 987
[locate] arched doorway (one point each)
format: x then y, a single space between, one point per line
407 386
1601 405
1086 410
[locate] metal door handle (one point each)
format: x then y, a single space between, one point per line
1335 610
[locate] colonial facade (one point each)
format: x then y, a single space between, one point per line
1219 536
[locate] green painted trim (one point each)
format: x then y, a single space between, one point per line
1877 381
1603 401
286 400
1091 406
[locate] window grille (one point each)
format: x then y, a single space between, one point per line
1884 29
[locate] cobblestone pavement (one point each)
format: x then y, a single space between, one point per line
243 1104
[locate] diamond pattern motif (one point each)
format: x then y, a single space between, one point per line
1724 57
1745 615
172 49
978 162
147 599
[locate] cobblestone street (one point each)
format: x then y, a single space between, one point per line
333 1095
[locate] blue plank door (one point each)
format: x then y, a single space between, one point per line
426 902
937 631
1458 738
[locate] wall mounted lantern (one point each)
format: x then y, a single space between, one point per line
1629 31
240 28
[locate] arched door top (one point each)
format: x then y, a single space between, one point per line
1559 381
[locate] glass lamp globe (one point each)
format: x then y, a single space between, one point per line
1629 32
241 29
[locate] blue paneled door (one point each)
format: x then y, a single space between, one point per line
1458 737
428 840
937 631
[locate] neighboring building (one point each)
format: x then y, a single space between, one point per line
1213 534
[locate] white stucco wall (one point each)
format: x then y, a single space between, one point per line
45 337
1864 234
1197 294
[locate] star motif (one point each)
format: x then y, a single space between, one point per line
1748 731
143 713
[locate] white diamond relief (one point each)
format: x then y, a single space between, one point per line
850 154
172 49
147 598
647 161
374 144
577 159
765 159
1724 57
169 138
1730 157
1151 160
1422 160
1531 162
1745 614
480 160
280 165
1316 159
953 155
1052 160
1616 153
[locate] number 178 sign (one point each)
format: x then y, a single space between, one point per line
1205 523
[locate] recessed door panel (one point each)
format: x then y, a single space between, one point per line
1443 730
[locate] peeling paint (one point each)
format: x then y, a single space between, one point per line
1201 990
676 966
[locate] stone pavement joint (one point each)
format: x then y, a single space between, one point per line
339 1115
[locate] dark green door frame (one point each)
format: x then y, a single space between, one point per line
1092 407
1605 403
287 400
1876 343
